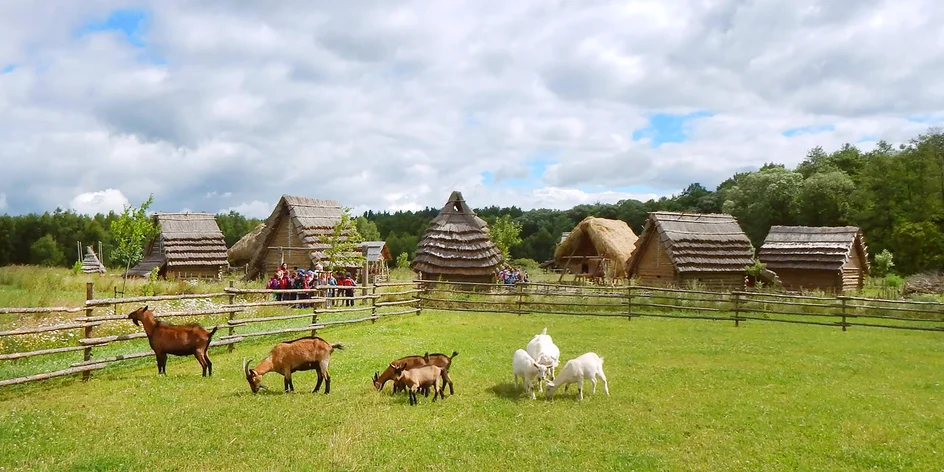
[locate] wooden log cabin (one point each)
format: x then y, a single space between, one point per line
831 259
188 246
709 251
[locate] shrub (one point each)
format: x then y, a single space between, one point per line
525 263
882 263
894 281
403 260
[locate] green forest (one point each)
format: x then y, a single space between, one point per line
895 194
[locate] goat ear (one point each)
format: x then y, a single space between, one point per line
145 308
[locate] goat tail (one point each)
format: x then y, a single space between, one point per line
338 346
212 332
544 331
454 354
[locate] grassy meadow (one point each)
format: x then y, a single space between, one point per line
685 395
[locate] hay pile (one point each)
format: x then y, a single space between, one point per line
612 239
927 283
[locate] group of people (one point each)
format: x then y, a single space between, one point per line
301 279
509 275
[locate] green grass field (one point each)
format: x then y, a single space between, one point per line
685 395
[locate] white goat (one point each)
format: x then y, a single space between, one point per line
524 366
588 366
545 352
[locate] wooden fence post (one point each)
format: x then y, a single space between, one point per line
843 312
520 297
629 302
737 308
232 314
373 303
87 352
419 302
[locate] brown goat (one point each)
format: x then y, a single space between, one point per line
419 378
308 353
410 362
179 340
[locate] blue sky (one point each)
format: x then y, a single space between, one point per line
667 128
131 23
813 129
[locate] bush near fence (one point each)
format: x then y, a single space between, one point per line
101 333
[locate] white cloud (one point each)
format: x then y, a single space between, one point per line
391 106
90 203
253 209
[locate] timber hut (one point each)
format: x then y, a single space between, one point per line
188 246
456 246
293 235
831 259
376 254
597 247
682 249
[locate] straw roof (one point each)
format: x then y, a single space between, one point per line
611 239
312 219
376 251
191 239
185 239
697 242
456 243
91 264
246 247
812 248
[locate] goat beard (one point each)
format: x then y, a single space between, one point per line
135 322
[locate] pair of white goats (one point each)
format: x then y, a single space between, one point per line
543 356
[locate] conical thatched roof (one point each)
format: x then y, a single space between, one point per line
697 242
456 243
242 252
91 264
611 239
813 248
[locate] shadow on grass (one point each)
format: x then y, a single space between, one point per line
509 391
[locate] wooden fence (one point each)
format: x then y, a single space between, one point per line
243 313
327 308
636 301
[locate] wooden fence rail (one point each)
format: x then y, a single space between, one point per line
267 312
327 301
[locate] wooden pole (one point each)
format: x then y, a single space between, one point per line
569 260
366 269
737 308
520 297
87 353
629 302
843 301
232 315
373 303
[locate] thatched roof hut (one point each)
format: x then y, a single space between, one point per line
91 264
832 259
456 246
597 246
293 234
685 248
241 252
188 246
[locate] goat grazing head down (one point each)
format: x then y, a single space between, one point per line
254 379
308 353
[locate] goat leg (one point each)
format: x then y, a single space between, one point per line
327 383
161 363
209 364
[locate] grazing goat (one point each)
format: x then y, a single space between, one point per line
588 366
305 353
409 362
543 350
421 377
524 366
178 340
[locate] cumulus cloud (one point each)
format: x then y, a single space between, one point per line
253 209
391 106
104 201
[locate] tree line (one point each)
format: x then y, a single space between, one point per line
895 194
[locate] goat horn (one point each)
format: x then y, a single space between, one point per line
246 366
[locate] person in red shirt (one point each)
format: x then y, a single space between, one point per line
348 282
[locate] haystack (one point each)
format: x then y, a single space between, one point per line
832 259
597 246
709 250
188 246
456 246
248 245
91 264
